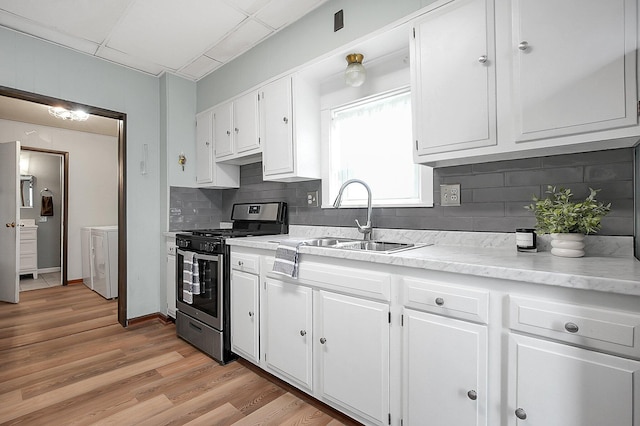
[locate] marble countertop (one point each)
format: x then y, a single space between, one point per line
613 274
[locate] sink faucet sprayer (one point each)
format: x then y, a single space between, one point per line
366 229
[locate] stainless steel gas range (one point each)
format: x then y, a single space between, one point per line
203 275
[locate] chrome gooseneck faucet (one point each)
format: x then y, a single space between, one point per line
364 229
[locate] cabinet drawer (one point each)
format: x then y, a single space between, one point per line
443 299
28 247
245 262
28 261
28 234
606 330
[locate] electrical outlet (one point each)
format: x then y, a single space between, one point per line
450 195
312 198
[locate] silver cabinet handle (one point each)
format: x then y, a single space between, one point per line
250 313
323 340
236 130
240 263
521 414
523 46
439 301
207 143
285 120
303 333
473 395
228 133
483 59
571 327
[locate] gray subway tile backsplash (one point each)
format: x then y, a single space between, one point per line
493 196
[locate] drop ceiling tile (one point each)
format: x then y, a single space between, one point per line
29 27
130 61
241 40
172 33
278 13
200 67
249 6
86 19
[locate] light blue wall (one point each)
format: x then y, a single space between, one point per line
309 38
35 66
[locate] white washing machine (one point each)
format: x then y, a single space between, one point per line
104 263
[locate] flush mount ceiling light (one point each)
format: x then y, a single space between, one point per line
65 114
355 73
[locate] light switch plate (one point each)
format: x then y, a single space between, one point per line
450 195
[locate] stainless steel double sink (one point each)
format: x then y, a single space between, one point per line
352 244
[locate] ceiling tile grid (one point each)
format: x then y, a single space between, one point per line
190 38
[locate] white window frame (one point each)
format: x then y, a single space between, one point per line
328 196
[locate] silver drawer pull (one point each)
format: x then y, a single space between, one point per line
473 395
250 313
571 327
439 301
303 333
240 263
521 414
323 340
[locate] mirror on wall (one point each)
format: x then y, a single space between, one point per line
27 183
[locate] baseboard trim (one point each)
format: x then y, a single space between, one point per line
145 318
74 282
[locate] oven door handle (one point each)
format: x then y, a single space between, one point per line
215 258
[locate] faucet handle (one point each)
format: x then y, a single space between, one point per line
366 229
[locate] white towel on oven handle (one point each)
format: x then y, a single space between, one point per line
190 277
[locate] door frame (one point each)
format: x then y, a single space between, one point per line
122 180
65 202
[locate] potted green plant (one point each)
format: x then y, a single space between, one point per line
568 221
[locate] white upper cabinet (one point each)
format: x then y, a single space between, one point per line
565 78
290 130
574 66
453 77
208 172
236 130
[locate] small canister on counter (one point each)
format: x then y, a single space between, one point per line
526 240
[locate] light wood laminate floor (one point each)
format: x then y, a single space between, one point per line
64 360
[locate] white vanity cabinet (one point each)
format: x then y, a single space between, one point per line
290 129
566 382
209 173
235 130
245 306
29 250
444 357
453 78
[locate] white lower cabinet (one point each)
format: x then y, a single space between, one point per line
288 331
353 338
445 370
245 314
171 277
554 384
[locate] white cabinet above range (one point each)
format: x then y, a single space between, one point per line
235 130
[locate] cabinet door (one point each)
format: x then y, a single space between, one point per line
453 71
552 384
223 131
171 286
352 335
288 331
276 126
204 151
245 119
574 65
244 314
444 370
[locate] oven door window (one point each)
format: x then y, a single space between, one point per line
210 274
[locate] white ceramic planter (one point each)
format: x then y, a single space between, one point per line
567 245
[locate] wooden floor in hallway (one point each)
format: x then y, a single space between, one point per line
64 360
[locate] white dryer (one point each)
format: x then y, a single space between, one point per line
104 264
